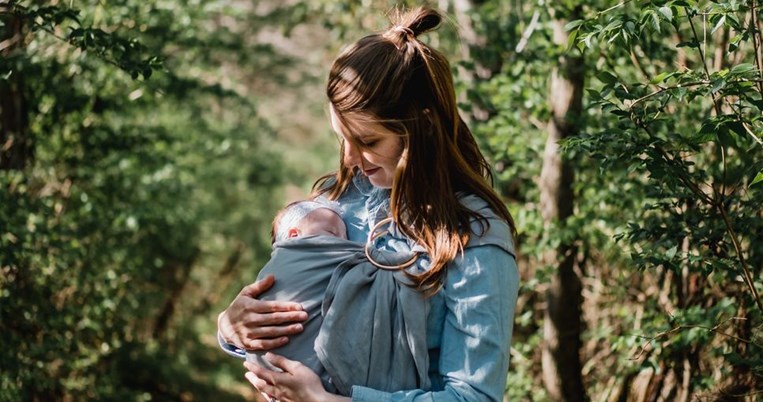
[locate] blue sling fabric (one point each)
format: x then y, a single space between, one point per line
374 326
348 298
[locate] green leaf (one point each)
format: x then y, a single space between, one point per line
662 77
655 21
572 25
717 85
607 77
737 127
587 41
667 12
705 134
743 68
718 25
630 26
758 178
572 39
733 21
671 252
725 137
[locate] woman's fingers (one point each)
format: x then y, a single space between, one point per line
264 344
256 288
262 378
270 337
264 307
255 319
297 383
258 383
271 332
260 325
288 366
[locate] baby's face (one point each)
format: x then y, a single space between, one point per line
322 221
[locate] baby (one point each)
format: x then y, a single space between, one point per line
307 218
299 281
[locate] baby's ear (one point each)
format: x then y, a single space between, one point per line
293 232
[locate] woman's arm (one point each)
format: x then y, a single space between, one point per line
480 296
253 324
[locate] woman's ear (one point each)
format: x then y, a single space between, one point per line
293 232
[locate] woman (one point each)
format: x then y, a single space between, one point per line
407 154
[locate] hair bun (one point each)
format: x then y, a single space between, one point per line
416 21
426 19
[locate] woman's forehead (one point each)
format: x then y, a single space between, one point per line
357 125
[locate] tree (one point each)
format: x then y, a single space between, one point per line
148 170
562 321
690 136
14 136
668 278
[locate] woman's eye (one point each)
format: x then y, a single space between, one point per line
370 143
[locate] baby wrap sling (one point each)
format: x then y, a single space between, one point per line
365 326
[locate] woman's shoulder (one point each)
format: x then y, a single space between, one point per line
488 228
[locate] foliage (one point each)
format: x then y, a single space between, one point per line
665 165
667 170
690 134
150 170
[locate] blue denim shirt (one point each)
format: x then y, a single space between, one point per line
470 319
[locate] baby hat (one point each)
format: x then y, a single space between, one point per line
296 211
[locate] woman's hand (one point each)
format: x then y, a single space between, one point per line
297 383
253 324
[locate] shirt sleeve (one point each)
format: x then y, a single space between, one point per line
230 349
480 297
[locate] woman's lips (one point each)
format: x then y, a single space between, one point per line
369 172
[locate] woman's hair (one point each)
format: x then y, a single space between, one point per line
405 85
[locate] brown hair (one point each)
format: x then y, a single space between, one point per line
406 86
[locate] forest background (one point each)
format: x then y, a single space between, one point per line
144 146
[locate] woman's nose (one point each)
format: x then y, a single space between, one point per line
351 156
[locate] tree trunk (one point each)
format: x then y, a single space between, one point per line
473 41
15 143
562 322
178 273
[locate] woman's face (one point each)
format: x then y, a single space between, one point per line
378 154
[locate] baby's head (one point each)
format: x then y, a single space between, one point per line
305 218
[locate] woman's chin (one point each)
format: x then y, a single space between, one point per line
380 182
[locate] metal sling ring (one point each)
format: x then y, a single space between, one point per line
373 235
